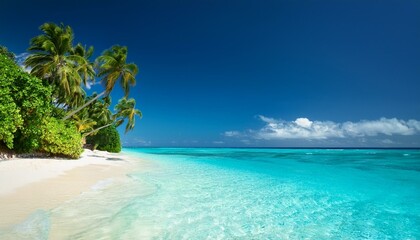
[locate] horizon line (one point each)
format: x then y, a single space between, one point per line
390 148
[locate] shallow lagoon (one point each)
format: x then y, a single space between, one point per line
248 194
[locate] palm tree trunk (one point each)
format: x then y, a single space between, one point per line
83 106
99 128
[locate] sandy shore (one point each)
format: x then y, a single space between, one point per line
30 184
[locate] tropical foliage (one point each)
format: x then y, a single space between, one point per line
24 103
10 119
60 138
107 139
55 60
48 110
7 53
113 66
126 110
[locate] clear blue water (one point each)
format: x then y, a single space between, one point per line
255 194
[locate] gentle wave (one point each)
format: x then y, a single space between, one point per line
251 194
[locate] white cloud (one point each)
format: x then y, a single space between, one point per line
232 134
303 128
90 84
218 142
303 122
20 59
387 126
414 124
267 119
300 128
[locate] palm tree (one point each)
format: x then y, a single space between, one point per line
54 60
84 67
125 109
84 122
99 111
113 67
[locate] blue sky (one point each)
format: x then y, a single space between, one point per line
253 73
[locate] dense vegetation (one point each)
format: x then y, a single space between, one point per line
60 138
24 101
10 119
47 110
107 139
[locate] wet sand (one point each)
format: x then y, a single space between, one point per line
27 185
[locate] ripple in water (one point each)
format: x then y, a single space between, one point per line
253 194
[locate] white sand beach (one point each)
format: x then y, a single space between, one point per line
28 184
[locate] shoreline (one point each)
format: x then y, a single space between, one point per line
30 184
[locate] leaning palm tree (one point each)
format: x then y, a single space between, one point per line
54 60
125 109
113 67
83 122
96 114
99 111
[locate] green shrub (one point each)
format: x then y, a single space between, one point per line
60 138
107 139
10 118
4 51
24 101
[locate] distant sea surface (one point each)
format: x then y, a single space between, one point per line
207 193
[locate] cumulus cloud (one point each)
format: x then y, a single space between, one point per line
303 128
303 122
300 128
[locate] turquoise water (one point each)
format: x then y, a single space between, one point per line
252 194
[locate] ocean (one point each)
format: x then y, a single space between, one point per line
228 193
